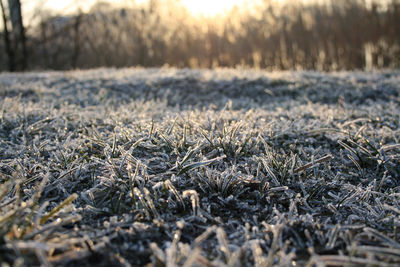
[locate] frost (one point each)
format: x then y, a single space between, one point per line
231 167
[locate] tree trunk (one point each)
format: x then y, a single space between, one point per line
76 53
7 42
18 32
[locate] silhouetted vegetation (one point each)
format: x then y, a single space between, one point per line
337 34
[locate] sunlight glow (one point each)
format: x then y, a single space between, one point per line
196 7
207 8
68 4
211 7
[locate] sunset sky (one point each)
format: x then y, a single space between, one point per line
196 7
208 8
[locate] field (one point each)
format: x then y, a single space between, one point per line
129 167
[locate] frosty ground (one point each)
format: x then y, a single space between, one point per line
199 168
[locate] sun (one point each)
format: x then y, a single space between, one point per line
210 7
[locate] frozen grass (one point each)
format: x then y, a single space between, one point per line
199 168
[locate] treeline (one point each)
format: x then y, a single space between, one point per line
338 34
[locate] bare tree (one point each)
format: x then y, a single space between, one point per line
77 47
18 32
338 34
7 42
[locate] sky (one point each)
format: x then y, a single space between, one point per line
208 8
196 7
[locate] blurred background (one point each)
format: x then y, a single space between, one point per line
270 34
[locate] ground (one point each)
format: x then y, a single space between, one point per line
199 168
